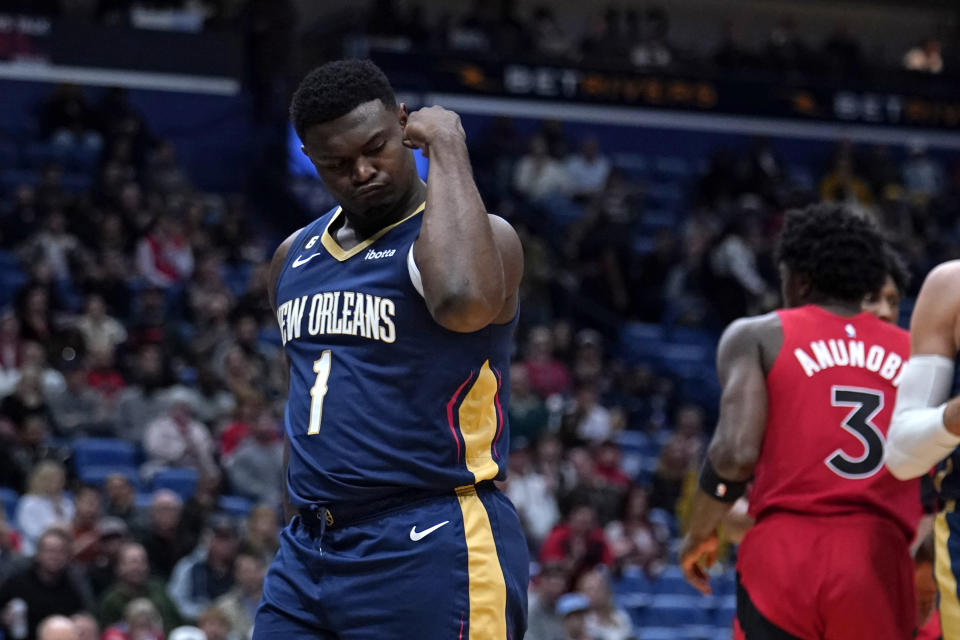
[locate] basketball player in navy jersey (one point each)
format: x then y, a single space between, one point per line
397 310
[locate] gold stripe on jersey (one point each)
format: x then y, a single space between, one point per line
342 254
946 578
487 587
478 424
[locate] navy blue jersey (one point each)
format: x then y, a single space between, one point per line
382 398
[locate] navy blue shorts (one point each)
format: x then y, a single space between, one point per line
443 568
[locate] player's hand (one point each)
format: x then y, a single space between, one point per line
429 126
696 557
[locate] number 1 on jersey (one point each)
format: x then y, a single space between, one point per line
321 367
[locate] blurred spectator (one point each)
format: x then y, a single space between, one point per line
199 507
925 58
605 620
44 505
164 536
10 543
163 256
133 582
733 283
67 120
215 624
673 469
142 402
588 420
654 49
538 174
547 374
249 407
163 174
26 399
78 409
10 346
263 532
578 542
121 497
141 621
785 49
255 469
588 170
207 573
239 604
841 184
101 571
86 626
543 622
46 586
528 414
572 609
635 540
86 517
549 37
533 498
99 330
922 175
175 439
32 444
54 244
57 628
105 379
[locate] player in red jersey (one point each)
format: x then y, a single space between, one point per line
807 398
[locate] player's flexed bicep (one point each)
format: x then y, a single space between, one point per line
926 427
470 263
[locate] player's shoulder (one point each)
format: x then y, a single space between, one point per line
761 334
943 279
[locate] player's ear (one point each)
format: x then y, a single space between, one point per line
402 114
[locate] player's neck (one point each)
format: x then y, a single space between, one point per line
836 307
368 226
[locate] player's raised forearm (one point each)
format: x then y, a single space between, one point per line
458 258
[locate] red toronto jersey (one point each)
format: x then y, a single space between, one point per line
830 394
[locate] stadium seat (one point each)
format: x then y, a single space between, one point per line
181 481
103 452
671 167
672 582
9 498
236 506
726 608
677 611
143 500
96 475
660 633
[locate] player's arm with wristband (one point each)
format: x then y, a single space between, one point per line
470 263
735 448
925 427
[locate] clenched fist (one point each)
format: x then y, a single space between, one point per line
432 125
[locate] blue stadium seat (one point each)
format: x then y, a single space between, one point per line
672 582
143 500
236 506
103 452
9 155
724 632
641 342
726 609
181 481
677 611
96 475
671 166
9 498
13 178
660 633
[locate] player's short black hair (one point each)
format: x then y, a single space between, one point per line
897 269
841 252
336 88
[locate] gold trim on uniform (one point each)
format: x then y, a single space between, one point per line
478 425
946 579
488 590
342 254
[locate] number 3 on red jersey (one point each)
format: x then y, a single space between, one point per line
866 404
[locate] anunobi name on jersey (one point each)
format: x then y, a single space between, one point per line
382 398
831 394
